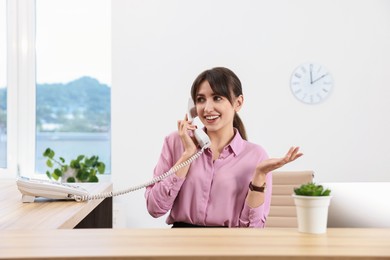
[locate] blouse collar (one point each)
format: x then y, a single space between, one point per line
237 143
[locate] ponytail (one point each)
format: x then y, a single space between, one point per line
237 123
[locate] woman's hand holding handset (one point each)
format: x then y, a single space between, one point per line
184 128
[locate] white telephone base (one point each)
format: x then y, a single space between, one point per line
33 188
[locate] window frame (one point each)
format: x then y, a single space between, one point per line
26 88
12 14
20 89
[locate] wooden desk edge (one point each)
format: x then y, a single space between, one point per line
163 244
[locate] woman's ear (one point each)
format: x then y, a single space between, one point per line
238 103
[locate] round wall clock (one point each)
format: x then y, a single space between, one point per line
311 83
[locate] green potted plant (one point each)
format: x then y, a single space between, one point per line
81 169
312 202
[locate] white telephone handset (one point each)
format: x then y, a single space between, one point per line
202 138
31 188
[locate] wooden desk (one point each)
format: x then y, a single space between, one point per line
218 244
44 214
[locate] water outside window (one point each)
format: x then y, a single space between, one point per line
73 57
3 84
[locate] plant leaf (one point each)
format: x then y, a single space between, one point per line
82 175
101 167
71 179
58 172
93 178
75 164
49 163
56 177
311 189
49 153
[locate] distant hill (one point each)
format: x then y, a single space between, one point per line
82 105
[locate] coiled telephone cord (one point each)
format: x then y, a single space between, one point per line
141 186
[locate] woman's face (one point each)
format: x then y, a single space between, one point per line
215 112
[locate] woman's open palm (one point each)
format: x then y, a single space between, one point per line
272 164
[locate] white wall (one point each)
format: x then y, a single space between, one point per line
159 47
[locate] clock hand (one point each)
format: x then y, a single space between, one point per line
320 78
311 74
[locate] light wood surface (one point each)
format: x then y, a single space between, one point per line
44 214
203 243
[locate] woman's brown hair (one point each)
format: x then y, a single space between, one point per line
224 83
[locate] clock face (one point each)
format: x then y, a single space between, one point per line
311 83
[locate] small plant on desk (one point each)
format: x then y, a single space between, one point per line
311 189
81 169
312 202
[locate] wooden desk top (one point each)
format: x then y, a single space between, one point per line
203 243
44 214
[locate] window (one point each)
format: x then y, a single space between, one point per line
3 84
73 78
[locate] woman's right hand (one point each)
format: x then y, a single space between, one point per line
184 127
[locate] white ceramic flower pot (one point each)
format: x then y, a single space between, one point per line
312 213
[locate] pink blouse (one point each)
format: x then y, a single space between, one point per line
214 192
